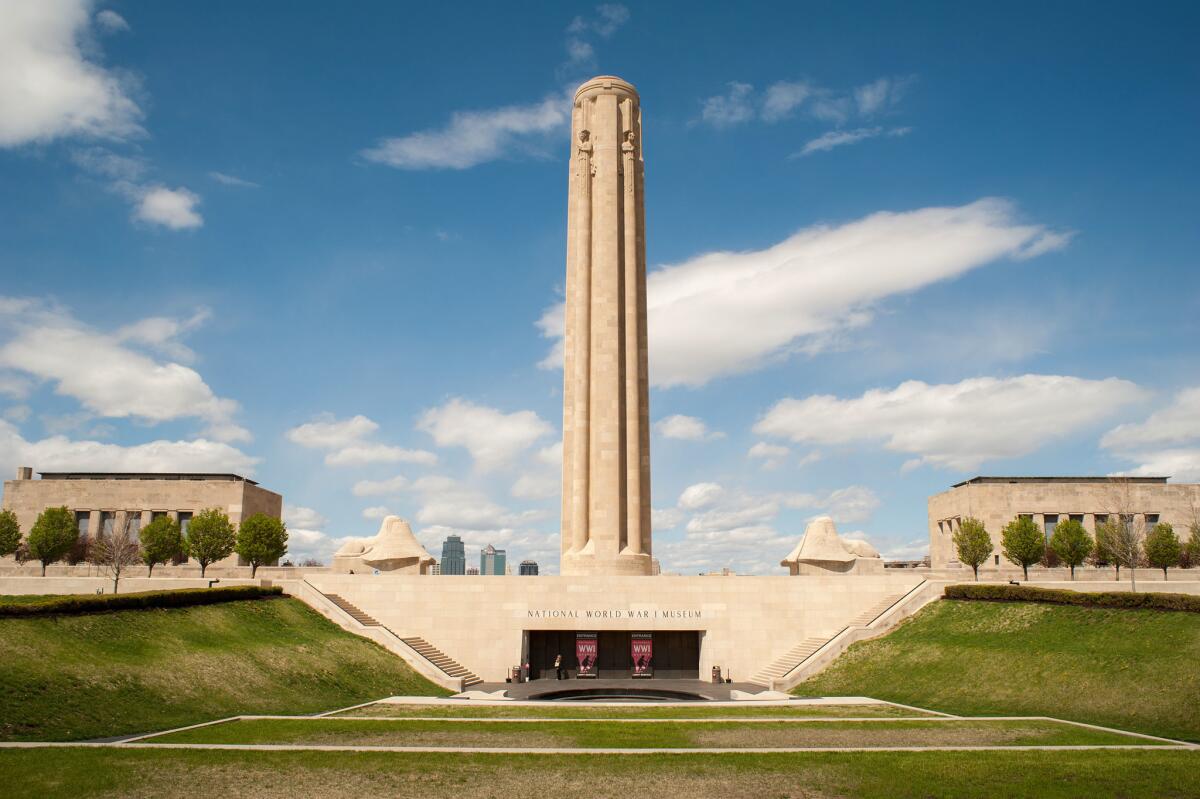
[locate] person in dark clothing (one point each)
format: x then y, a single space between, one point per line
558 667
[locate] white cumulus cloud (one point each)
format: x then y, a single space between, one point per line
107 375
50 83
171 208
685 428
1167 443
59 453
957 425
493 438
345 442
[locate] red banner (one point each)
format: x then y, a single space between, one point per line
587 649
641 647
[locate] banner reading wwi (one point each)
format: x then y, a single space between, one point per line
641 646
586 651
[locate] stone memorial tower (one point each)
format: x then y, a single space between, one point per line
606 409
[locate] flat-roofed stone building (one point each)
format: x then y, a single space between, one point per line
102 501
996 501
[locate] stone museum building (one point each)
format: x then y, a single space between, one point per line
996 501
102 501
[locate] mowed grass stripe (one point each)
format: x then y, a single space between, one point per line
697 711
132 773
666 735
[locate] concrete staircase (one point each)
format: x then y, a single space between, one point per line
439 659
443 661
795 657
872 613
353 611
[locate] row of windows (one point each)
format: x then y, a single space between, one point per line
108 521
1051 520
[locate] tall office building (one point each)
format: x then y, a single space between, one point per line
454 556
491 560
529 567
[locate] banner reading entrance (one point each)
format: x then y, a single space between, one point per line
641 647
587 650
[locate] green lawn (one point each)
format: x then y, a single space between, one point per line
586 710
104 674
185 774
665 734
1132 669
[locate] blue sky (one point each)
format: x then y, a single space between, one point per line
891 246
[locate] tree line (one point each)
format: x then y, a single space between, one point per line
210 536
1121 541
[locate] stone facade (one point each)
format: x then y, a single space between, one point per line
996 501
99 494
743 623
606 411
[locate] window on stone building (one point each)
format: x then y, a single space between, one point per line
1077 517
83 520
1101 520
1051 519
1151 520
157 514
108 520
135 524
997 559
185 518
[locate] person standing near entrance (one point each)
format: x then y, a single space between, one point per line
558 669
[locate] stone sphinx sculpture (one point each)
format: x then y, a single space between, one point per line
393 549
822 551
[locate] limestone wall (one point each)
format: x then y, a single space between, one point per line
747 622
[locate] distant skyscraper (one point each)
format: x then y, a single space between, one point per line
435 569
471 570
491 560
529 567
454 556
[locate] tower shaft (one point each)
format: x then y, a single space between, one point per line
606 439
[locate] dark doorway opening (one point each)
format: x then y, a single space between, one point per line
676 654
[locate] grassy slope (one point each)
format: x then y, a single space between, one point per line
166 774
1132 669
105 674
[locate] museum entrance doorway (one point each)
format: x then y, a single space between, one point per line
675 653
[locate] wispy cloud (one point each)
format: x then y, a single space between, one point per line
685 428
838 138
1167 443
783 99
471 138
722 313
232 180
347 442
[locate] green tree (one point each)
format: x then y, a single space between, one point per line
1022 543
973 543
1193 544
1162 547
10 533
161 542
1071 543
52 536
261 539
1103 554
210 537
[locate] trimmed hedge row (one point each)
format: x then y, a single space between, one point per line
98 603
1058 596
